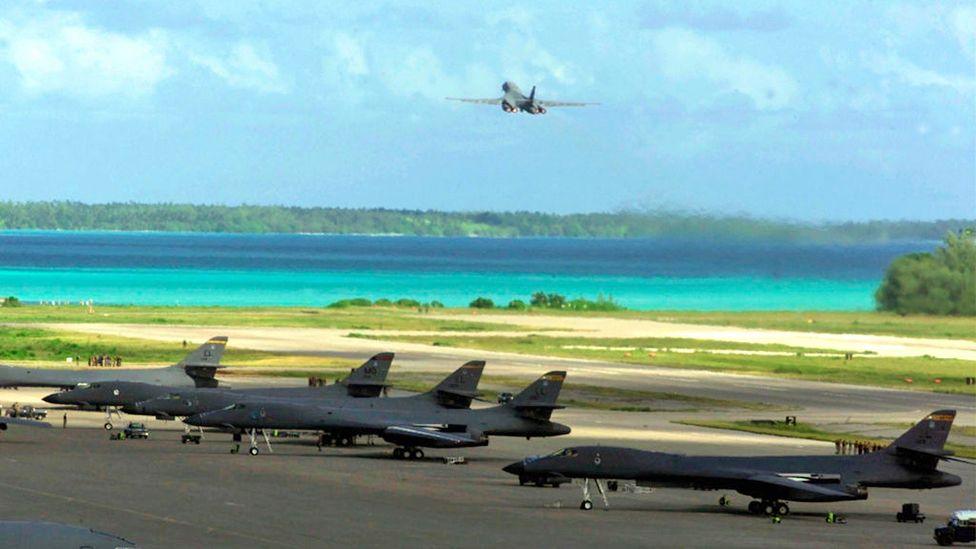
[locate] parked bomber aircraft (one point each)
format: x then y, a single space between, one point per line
514 101
39 534
455 391
196 370
408 422
112 396
909 462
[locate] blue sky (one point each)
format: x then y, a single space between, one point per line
807 110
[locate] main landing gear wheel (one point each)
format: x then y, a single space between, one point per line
398 453
344 441
107 426
782 509
755 507
586 505
253 451
416 453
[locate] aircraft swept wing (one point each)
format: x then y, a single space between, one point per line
413 435
495 101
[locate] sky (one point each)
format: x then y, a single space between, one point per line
819 111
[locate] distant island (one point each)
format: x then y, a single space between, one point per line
77 216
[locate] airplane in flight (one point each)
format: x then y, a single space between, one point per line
911 461
514 101
408 422
196 370
368 380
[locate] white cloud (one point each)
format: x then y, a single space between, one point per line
913 75
685 55
57 52
349 55
244 67
963 23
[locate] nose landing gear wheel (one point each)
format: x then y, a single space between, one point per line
586 505
107 426
253 451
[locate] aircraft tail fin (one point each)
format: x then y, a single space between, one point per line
461 387
532 94
924 443
202 363
538 400
369 379
208 354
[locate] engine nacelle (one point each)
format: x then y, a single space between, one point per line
509 108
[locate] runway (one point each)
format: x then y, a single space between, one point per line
160 493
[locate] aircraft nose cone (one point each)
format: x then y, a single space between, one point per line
54 398
516 468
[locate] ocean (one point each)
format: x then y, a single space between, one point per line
315 270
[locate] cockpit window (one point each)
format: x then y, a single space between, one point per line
565 452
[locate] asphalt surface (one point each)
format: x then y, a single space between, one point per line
160 493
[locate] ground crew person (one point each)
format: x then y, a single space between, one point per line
837 444
64 421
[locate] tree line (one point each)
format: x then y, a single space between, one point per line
939 283
129 216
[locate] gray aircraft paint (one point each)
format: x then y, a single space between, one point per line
366 380
51 535
514 101
196 369
408 421
909 462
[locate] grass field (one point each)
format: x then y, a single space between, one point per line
810 432
883 372
355 318
397 318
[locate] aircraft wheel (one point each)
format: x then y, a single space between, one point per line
344 441
782 509
586 505
768 508
108 426
398 453
755 507
253 451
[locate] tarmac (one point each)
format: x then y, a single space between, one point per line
161 493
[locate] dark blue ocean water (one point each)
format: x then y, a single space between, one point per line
171 268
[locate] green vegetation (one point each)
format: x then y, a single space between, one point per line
913 373
403 303
807 431
359 318
281 219
32 344
939 283
482 303
10 301
542 300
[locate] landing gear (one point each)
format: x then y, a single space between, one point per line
109 410
587 503
344 441
408 453
252 436
770 508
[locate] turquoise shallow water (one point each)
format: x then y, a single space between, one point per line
310 288
314 270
